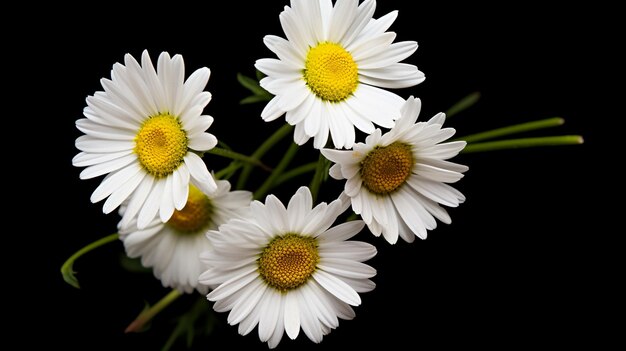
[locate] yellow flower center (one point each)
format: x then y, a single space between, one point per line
195 216
288 261
161 144
330 72
385 169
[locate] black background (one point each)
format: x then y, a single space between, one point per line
518 265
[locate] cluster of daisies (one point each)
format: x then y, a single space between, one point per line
280 267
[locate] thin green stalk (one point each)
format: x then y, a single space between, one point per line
229 170
309 167
463 104
147 315
237 156
269 182
67 269
514 129
261 151
523 143
318 177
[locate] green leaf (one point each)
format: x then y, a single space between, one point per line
251 84
463 104
255 98
259 75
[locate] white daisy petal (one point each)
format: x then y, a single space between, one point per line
338 288
308 321
292 316
192 87
91 144
372 47
394 54
354 250
202 142
342 231
363 16
347 268
343 16
152 81
167 200
104 132
113 181
180 187
269 315
137 200
301 112
247 302
272 110
84 159
107 167
284 51
203 123
231 286
406 82
280 325
380 25
122 193
199 172
439 118
293 33
151 207
276 68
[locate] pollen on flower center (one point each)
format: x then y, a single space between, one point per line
288 261
330 72
161 144
386 168
195 216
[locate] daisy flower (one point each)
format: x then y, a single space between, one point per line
143 132
397 181
286 269
172 249
330 70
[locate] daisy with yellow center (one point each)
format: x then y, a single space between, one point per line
144 132
172 249
397 181
285 268
330 71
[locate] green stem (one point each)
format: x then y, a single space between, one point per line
67 269
523 143
237 156
318 177
463 104
261 151
309 167
147 315
514 129
269 182
229 170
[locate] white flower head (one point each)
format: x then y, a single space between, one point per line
143 132
286 268
396 181
330 70
173 248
